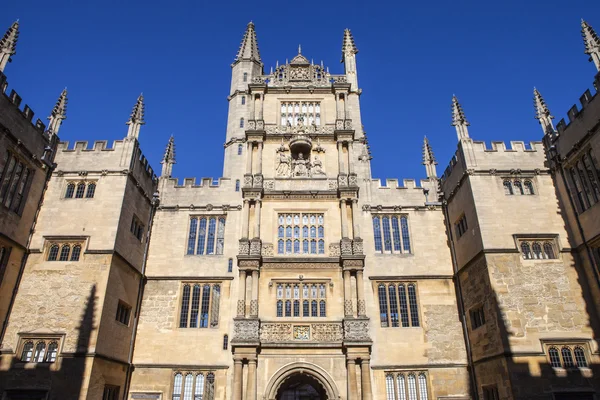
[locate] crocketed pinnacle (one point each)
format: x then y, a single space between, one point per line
459 121
592 43
58 114
169 156
8 44
428 157
136 119
348 46
249 47
542 113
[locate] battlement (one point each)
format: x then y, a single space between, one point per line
209 183
393 184
515 146
99 145
574 112
26 112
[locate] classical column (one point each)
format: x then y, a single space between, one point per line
254 301
340 146
355 222
352 388
241 311
245 219
237 379
251 386
249 158
259 158
365 383
347 294
360 293
257 207
344 217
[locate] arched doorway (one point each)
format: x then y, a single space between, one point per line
300 386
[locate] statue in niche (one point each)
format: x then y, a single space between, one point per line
317 167
283 168
301 166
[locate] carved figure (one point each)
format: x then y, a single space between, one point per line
317 167
283 168
301 166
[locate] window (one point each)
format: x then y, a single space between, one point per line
200 305
240 149
508 187
307 113
123 312
477 317
206 235
241 122
398 305
4 256
91 189
245 77
230 265
585 177
14 182
80 190
518 187
225 342
237 185
490 392
137 228
296 229
312 296
406 386
64 252
110 393
243 100
391 234
538 249
194 386
39 350
70 191
461 226
567 356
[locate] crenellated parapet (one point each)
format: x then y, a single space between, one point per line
26 113
193 193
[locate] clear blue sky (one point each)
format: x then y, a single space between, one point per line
413 57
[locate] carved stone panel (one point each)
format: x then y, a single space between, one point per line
356 330
246 330
291 332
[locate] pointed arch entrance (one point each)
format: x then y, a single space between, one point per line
301 381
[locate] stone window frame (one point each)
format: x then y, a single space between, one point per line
477 310
72 242
490 392
389 323
403 240
583 179
111 392
14 188
295 115
206 392
35 339
541 239
511 188
317 239
137 228
571 345
123 313
458 226
211 322
397 394
327 283
216 250
90 186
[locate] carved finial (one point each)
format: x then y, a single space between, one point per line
58 114
8 44
136 120
542 113
249 48
592 43
348 46
429 159
459 121
168 159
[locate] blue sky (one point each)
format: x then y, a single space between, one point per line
412 57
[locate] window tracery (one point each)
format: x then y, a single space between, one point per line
206 235
567 356
391 234
39 350
406 385
14 183
305 113
193 385
301 233
312 296
80 190
64 251
200 303
538 249
398 305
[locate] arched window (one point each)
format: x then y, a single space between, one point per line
313 232
396 234
288 231
528 187
205 305
214 308
296 231
580 357
91 189
377 233
64 252
321 246
185 304
27 353
405 234
241 122
313 247
210 242
508 187
187 387
70 191
230 265
383 309
537 250
412 301
199 389
296 246
422 387
192 235
195 306
243 100
412 387
177 383
280 249
53 252
237 185
201 236
76 253
567 357
518 187
387 241
554 357
305 308
80 191
389 387
403 306
526 250
321 232
240 149
210 386
288 246
322 308
245 77
296 308
393 305
401 387
40 352
288 308
53 349
549 251
313 309
279 308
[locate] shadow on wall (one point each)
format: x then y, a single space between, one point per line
59 380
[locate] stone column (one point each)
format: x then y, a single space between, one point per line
261 104
338 107
350 153
257 207
259 158
237 379
245 219
352 388
241 311
249 158
365 382
355 222
347 294
344 215
360 293
251 386
254 301
340 146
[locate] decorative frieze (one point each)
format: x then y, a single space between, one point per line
267 250
244 247
322 332
246 330
334 250
309 129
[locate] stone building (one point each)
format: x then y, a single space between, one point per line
299 276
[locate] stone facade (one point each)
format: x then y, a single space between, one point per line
297 275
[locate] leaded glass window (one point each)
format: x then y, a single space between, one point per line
40 352
406 386
537 250
507 187
580 358
206 235
200 305
398 305
65 250
391 234
53 252
177 386
389 387
70 191
297 234
311 296
91 190
194 386
518 187
27 353
567 357
80 190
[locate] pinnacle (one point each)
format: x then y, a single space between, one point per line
590 38
541 109
60 108
169 156
348 45
458 115
428 157
8 43
137 114
249 47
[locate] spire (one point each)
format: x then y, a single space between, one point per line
348 46
8 44
249 47
429 159
592 43
542 113
58 114
168 159
459 121
136 120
